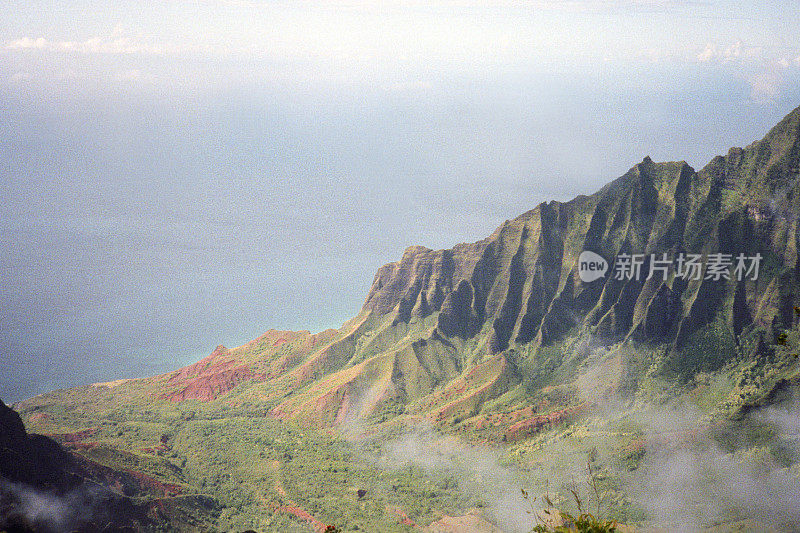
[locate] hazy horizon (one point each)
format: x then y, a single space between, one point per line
168 187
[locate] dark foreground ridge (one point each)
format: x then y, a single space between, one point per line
37 476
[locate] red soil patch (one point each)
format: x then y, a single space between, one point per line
213 383
80 445
532 425
302 514
290 507
406 520
210 377
38 417
155 449
77 436
154 485
494 420
199 368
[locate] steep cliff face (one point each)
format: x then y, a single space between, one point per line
521 285
435 315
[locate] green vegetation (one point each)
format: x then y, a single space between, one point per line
268 474
556 521
500 348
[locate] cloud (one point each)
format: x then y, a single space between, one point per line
134 75
765 71
94 45
51 511
686 481
569 5
478 470
733 52
27 43
22 76
766 84
401 46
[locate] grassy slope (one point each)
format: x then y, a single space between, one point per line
271 474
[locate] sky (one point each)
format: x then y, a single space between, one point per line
177 175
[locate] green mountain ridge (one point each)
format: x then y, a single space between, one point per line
497 341
518 290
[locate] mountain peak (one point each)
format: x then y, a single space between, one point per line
788 129
521 283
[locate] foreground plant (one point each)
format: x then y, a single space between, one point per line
563 522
